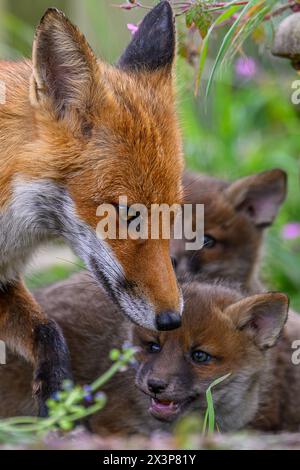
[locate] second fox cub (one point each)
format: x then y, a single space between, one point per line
222 332
236 216
75 133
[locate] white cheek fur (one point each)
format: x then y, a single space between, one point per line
42 210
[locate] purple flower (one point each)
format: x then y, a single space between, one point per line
133 28
291 231
88 397
55 396
245 67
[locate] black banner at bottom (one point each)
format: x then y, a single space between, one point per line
137 458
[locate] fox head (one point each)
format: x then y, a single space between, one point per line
235 217
103 132
222 334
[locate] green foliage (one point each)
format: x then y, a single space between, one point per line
250 17
16 37
200 17
189 426
53 274
232 21
204 48
65 409
209 424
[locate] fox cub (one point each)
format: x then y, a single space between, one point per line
223 332
76 133
236 216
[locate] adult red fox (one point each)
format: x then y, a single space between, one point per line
76 133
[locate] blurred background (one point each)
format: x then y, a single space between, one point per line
246 125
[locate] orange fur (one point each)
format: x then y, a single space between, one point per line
124 140
88 133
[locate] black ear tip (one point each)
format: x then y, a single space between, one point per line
161 16
164 7
153 45
162 11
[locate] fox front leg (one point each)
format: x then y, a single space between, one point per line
26 330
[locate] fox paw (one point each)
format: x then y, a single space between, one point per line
52 364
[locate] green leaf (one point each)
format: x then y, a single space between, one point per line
65 425
200 17
223 17
227 41
247 28
209 419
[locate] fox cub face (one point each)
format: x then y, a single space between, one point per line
113 131
221 334
235 216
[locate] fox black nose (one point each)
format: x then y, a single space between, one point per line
168 321
156 385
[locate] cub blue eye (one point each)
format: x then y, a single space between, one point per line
201 357
209 241
154 347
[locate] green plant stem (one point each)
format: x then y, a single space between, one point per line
28 426
127 355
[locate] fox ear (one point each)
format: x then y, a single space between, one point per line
63 63
261 316
259 196
153 45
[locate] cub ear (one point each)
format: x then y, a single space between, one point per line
153 45
64 65
261 316
259 196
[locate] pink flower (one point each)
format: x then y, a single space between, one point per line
245 67
127 6
291 231
133 28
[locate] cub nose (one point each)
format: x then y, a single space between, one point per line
168 321
156 385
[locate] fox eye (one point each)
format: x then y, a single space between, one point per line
174 262
201 357
209 241
123 214
153 347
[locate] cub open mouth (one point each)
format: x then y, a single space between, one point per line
164 409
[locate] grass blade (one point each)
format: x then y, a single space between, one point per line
226 43
247 28
223 17
209 423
